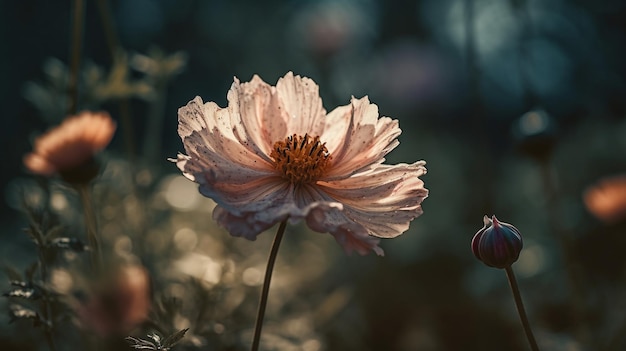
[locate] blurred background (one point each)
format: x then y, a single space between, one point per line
517 106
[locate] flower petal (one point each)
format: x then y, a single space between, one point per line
196 116
256 115
39 165
242 226
72 143
207 128
252 196
250 219
349 234
302 105
213 151
364 142
384 200
325 215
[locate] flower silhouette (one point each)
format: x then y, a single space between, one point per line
275 154
72 144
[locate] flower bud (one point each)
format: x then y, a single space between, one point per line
497 244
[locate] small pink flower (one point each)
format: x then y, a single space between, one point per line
275 154
71 144
606 200
119 302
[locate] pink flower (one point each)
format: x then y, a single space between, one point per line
275 154
71 144
119 303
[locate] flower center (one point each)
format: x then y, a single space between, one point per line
300 159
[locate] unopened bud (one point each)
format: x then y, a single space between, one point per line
497 244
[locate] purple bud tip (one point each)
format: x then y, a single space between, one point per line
497 244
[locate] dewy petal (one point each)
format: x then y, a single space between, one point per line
365 141
384 200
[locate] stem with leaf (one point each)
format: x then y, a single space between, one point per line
46 309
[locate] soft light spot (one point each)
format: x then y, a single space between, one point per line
21 192
532 260
200 266
58 201
311 345
144 177
252 276
61 280
494 25
108 212
299 326
533 122
185 239
123 246
180 193
219 328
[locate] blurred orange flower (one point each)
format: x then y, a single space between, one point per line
275 154
606 200
71 144
119 303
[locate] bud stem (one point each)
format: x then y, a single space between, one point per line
266 285
520 308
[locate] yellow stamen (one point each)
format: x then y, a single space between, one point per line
300 159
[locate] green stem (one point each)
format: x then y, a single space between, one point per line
520 308
266 285
91 225
48 332
46 308
152 139
115 51
108 26
77 38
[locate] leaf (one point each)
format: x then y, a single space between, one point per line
167 344
20 312
35 234
73 244
24 293
54 231
19 283
173 339
156 338
140 344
